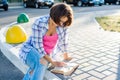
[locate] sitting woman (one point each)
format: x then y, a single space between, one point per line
48 38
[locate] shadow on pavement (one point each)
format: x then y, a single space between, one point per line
118 71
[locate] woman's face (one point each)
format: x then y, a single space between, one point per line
62 21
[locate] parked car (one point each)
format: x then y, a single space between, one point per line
37 3
111 1
98 2
4 4
79 2
118 2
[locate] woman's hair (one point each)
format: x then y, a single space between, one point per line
61 10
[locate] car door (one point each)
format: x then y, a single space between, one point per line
68 1
29 2
71 1
33 2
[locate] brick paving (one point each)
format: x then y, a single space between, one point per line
96 50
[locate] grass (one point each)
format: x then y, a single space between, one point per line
109 23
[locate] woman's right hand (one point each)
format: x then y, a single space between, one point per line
59 64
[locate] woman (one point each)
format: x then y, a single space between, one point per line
49 38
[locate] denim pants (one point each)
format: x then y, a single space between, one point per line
33 61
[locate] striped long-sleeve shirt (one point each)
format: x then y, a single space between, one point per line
39 29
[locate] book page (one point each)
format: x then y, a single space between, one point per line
66 70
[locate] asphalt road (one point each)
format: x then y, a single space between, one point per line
7 70
9 16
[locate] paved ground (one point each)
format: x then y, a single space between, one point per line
96 50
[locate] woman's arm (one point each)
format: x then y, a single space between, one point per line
67 57
37 37
65 42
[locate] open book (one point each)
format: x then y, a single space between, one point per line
66 70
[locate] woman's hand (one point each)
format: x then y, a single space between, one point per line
59 64
43 61
66 57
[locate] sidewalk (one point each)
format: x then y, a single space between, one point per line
15 5
96 50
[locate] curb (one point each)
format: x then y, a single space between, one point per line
15 5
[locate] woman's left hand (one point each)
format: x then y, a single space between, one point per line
59 64
68 59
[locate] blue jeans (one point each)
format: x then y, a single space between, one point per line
33 61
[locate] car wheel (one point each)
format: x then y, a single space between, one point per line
100 4
36 5
79 3
5 7
25 5
64 1
93 4
75 4
117 3
50 6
